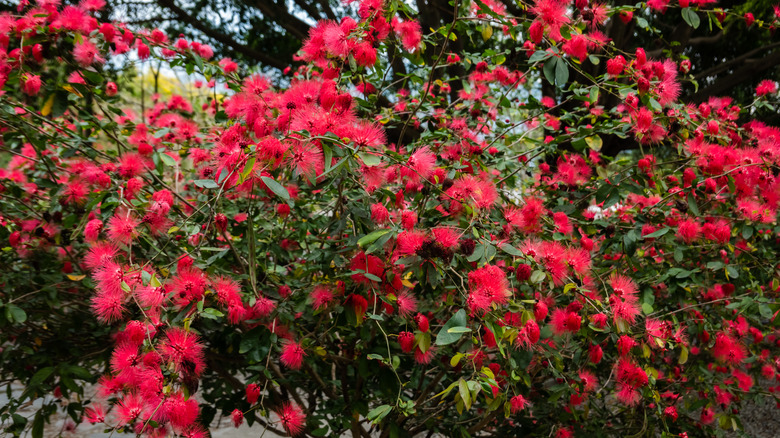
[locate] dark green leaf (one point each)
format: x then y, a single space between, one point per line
457 320
691 17
275 187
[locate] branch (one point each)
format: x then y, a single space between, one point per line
726 65
751 68
280 15
222 38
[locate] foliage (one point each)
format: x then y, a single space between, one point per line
269 255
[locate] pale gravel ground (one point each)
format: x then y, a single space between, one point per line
760 420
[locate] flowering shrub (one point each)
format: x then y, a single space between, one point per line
433 251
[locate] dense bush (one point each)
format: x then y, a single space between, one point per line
339 250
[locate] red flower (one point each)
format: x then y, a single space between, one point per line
292 355
406 339
252 393
238 417
183 349
564 321
292 418
518 403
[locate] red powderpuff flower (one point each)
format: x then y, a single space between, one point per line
423 357
320 296
630 378
595 353
87 54
410 34
523 273
625 344
238 417
707 416
487 285
95 413
306 159
422 322
624 310
263 307
420 164
292 418
688 230
379 214
564 321
409 242
367 263
188 286
252 393
75 192
131 165
100 254
469 189
228 291
554 14
616 65
576 47
540 310
446 237
407 304
728 349
518 403
528 335
181 412
108 306
562 224
31 84
408 219
129 408
92 230
183 349
406 339
292 355
766 87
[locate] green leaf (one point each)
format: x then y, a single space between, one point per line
561 73
167 159
458 330
37 428
457 320
537 277
691 17
206 183
594 142
549 69
40 376
657 233
370 160
370 238
511 250
747 232
692 205
212 313
465 394
539 55
15 314
683 355
423 341
378 413
275 187
678 255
